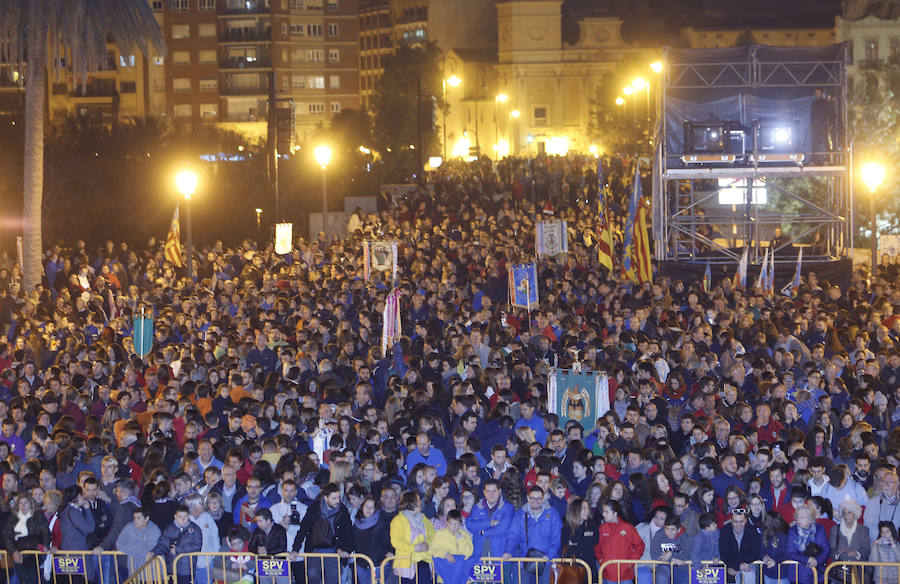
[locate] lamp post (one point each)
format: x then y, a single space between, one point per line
638 85
258 223
629 91
186 182
323 157
452 81
873 175
498 99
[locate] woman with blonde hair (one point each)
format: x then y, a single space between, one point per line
340 473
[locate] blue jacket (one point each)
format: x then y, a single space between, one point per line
706 547
75 524
186 539
479 525
544 533
434 458
536 423
733 555
794 552
777 552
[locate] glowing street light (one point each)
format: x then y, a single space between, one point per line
515 113
620 101
656 66
639 84
323 157
186 183
258 223
627 90
873 176
453 81
502 98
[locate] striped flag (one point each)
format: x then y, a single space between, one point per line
740 276
707 278
770 287
173 241
763 280
642 243
604 232
792 288
636 250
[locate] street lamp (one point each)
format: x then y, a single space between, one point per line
499 98
323 157
656 66
258 223
620 101
452 81
186 182
515 114
873 175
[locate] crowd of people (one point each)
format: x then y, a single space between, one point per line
267 418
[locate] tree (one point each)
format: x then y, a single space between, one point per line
874 124
410 70
619 128
78 30
745 38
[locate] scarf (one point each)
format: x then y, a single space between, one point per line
416 523
848 530
805 536
329 514
21 528
364 523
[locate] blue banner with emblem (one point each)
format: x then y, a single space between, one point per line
523 285
580 397
143 334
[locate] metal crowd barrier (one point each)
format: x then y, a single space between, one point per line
497 569
153 571
71 567
856 572
6 567
708 572
248 568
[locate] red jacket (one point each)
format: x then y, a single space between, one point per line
618 541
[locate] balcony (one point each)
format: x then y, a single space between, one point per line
253 90
244 63
869 64
247 8
252 116
244 35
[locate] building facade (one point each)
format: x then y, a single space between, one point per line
871 41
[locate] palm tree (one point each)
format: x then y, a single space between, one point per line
75 33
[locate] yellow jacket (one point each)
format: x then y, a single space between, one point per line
401 539
445 543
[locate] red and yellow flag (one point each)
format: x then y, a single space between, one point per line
173 241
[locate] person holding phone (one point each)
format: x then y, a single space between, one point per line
885 550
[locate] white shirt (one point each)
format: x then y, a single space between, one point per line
281 510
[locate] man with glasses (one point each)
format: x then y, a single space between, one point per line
535 533
689 518
247 506
739 547
884 506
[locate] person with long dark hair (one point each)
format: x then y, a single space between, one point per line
580 535
774 548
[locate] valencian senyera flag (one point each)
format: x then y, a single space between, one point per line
581 397
636 260
173 241
604 231
523 288
551 237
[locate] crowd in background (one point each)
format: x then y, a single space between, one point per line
268 419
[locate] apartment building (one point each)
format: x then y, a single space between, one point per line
221 57
451 24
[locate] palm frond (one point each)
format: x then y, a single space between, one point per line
77 32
